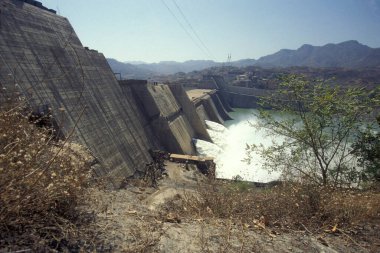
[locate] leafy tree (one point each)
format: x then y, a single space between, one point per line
367 148
315 124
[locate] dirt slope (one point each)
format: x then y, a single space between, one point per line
135 221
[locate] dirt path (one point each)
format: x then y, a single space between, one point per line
134 222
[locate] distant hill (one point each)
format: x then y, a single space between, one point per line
243 63
172 67
135 62
348 54
135 69
139 69
130 71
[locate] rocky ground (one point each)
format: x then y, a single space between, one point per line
134 220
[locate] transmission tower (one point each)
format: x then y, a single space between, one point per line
228 59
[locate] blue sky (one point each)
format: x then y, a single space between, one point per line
145 30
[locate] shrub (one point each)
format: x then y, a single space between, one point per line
294 206
367 148
41 185
315 124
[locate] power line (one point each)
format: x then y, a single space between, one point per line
192 29
58 10
184 28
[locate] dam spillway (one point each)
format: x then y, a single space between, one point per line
43 61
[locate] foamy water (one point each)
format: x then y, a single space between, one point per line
229 147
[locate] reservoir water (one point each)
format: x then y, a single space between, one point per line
229 147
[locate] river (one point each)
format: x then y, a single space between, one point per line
229 147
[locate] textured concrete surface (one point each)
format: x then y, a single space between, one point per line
197 123
42 59
164 114
195 94
220 107
211 109
202 114
209 105
241 100
234 96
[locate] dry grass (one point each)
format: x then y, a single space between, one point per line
231 238
289 207
143 238
42 182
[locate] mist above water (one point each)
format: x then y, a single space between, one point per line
229 147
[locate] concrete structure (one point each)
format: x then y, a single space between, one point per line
161 111
244 97
188 107
235 96
209 105
42 60
189 158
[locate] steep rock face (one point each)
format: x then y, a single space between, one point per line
42 59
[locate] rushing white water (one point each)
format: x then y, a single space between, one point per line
229 146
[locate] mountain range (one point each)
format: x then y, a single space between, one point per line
348 54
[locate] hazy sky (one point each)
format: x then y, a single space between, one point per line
145 30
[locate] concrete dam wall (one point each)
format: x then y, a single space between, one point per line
168 122
236 96
43 61
211 106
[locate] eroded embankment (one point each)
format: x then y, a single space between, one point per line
188 213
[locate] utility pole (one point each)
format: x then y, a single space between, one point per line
229 59
227 63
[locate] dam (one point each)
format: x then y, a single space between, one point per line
43 63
